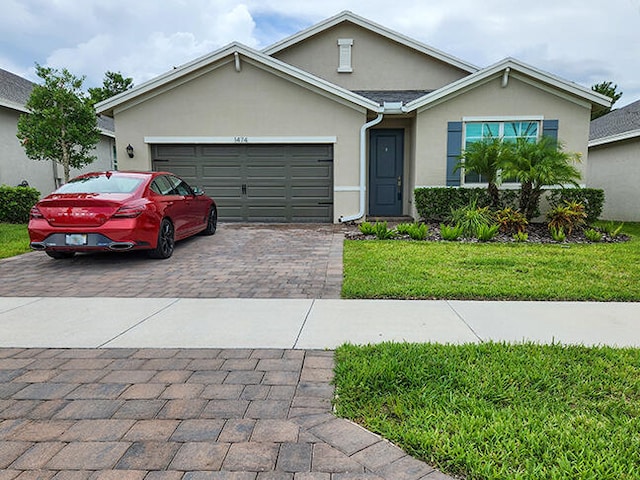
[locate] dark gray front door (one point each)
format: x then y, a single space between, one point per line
386 156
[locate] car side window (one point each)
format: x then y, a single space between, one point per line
180 186
162 186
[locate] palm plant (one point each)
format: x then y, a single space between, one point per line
536 165
485 158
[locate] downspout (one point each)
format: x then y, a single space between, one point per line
505 77
363 165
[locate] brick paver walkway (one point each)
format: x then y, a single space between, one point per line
239 261
187 414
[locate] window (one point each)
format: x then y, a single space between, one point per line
180 186
508 131
162 186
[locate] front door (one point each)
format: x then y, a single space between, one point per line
386 158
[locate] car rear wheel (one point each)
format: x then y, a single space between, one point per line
60 255
166 241
212 222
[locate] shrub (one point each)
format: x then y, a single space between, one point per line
521 236
436 203
591 198
381 231
511 221
470 218
487 232
451 233
593 235
557 233
611 229
568 216
418 231
366 228
16 202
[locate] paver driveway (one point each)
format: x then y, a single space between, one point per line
239 261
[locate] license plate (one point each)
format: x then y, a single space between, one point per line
75 239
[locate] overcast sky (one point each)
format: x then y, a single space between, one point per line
585 41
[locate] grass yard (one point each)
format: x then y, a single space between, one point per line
14 239
496 271
498 411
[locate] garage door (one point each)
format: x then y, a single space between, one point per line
257 183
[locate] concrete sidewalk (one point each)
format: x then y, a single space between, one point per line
46 322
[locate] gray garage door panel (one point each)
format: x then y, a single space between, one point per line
257 183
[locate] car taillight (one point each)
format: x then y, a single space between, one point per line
35 213
129 211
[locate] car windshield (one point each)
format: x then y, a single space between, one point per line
101 184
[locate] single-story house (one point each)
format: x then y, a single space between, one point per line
614 162
339 121
15 166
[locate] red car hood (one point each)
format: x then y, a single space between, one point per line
81 209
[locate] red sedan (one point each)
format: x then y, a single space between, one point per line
120 211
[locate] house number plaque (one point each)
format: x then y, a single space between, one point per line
241 139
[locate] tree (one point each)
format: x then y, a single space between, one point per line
536 165
485 158
112 84
610 90
61 125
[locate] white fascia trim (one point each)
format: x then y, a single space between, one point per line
484 75
347 188
506 118
13 105
257 57
107 133
615 138
240 139
374 27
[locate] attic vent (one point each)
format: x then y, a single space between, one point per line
344 44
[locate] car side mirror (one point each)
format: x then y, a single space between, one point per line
197 191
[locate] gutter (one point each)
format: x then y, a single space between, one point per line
387 108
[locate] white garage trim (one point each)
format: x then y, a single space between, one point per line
354 188
240 139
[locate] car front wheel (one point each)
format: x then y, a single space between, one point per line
212 222
166 241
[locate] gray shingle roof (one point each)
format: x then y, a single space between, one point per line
382 96
618 121
14 88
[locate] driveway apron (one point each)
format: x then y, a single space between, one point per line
239 261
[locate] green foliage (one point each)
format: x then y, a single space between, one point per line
484 233
16 202
593 235
435 204
610 90
112 84
557 233
61 124
591 198
366 228
470 218
539 165
450 233
382 232
521 236
510 220
498 411
611 229
417 231
567 216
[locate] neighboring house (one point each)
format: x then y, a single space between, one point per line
341 120
15 166
614 162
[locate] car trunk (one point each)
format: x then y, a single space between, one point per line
86 210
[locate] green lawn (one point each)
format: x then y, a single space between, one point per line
499 411
515 271
14 239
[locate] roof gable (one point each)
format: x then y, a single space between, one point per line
14 90
347 16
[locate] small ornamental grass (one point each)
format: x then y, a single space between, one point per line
14 239
497 411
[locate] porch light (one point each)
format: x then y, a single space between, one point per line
129 151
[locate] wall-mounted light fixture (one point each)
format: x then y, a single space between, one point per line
130 151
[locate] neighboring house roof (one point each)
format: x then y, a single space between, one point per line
348 16
14 90
620 124
237 52
508 67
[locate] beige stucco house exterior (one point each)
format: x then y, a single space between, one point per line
340 121
15 166
614 162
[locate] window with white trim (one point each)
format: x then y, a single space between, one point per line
508 131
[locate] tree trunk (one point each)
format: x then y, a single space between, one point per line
65 162
525 198
494 196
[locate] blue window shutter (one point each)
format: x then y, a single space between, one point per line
550 129
454 149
